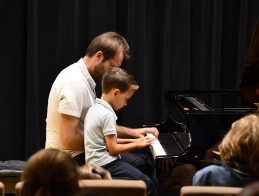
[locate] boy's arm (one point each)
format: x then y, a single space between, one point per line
124 141
115 148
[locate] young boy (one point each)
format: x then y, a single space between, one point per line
102 147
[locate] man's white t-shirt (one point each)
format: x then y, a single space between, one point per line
72 93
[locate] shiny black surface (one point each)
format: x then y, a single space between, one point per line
215 102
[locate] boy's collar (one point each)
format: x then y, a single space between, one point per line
106 105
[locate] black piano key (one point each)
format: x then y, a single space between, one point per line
174 143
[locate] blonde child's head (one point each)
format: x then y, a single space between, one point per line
240 146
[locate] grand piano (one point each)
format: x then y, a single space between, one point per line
194 117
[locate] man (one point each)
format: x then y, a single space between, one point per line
73 93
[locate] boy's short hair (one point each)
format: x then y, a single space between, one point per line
240 146
109 43
118 78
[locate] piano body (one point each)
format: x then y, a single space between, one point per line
178 135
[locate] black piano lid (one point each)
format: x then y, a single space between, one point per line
217 102
250 74
225 101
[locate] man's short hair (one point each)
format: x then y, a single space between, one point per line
118 78
109 44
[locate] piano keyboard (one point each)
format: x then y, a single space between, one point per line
156 147
170 144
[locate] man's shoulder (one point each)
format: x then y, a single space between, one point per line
70 76
70 71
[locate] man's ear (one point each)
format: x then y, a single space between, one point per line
116 91
99 56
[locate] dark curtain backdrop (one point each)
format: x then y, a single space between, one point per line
175 44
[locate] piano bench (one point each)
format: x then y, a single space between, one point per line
182 175
10 174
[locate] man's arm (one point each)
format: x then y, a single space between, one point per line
125 132
124 141
68 133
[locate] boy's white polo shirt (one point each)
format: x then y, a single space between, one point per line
99 122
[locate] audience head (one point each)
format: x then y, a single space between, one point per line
50 172
240 146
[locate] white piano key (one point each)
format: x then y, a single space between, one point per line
150 135
157 147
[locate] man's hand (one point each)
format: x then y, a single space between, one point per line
141 132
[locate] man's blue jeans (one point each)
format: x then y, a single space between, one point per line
120 169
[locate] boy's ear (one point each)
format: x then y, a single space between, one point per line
116 91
